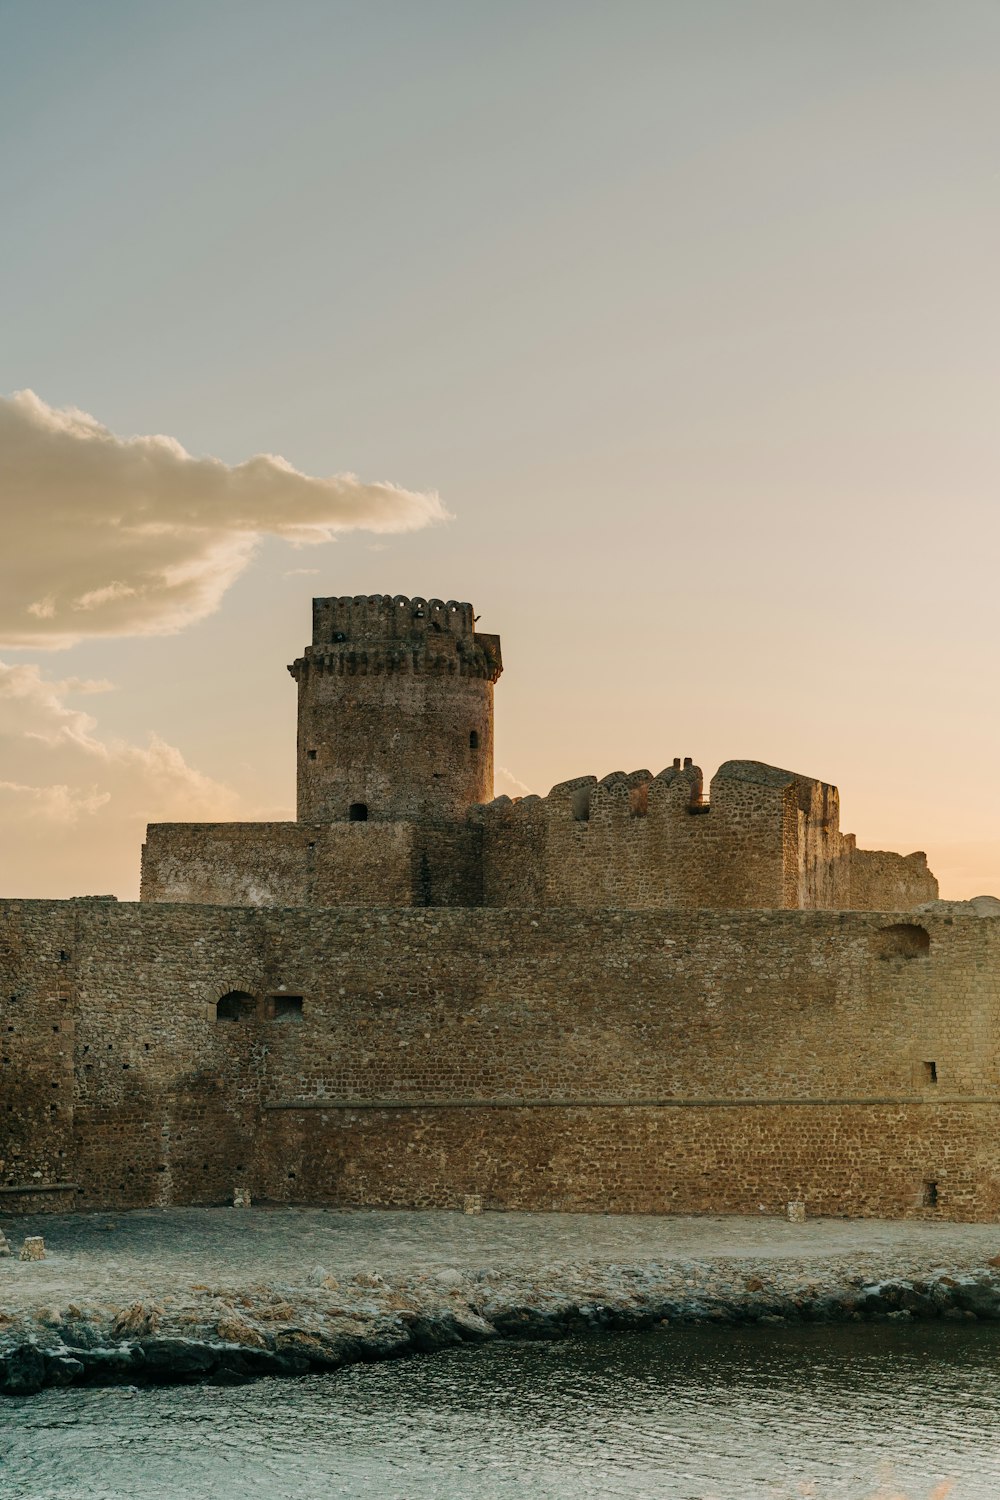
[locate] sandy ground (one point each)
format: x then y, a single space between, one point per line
119 1257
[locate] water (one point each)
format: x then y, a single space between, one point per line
841 1413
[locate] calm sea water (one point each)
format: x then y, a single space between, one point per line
779 1414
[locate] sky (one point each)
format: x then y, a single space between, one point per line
666 333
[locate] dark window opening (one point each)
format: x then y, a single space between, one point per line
358 812
902 940
236 1006
474 739
311 754
286 1007
930 1072
63 956
929 1195
581 804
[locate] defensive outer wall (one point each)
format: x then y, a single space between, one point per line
627 996
635 1061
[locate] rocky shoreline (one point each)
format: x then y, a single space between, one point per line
229 1334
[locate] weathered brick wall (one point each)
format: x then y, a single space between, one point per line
853 1160
37 1015
883 881
765 838
640 1060
313 864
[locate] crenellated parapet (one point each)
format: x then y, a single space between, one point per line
381 617
393 634
764 838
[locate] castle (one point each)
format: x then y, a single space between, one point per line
626 995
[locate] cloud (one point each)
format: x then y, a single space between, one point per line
74 803
510 784
111 536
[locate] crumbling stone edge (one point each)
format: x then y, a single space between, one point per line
94 1350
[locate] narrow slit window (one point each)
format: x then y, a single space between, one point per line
930 1072
929 1195
474 739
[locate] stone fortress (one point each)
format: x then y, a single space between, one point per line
624 996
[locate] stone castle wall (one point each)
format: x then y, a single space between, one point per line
633 1061
313 864
395 736
765 838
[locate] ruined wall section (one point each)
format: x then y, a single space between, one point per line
763 839
642 841
395 710
883 881
321 864
279 864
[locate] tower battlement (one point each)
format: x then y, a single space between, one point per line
368 634
387 617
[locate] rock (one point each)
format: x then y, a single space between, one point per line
471 1328
140 1318
33 1248
4 1245
174 1359
431 1331
320 1276
530 1323
241 1198
80 1334
980 1298
368 1278
233 1328
22 1370
449 1276
111 1365
62 1369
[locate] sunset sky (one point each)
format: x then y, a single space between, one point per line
667 333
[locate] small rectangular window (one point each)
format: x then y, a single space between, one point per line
929 1195
311 754
930 1072
286 1007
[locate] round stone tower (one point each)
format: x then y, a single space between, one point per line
395 710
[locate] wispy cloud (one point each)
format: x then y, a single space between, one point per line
105 535
510 784
73 802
